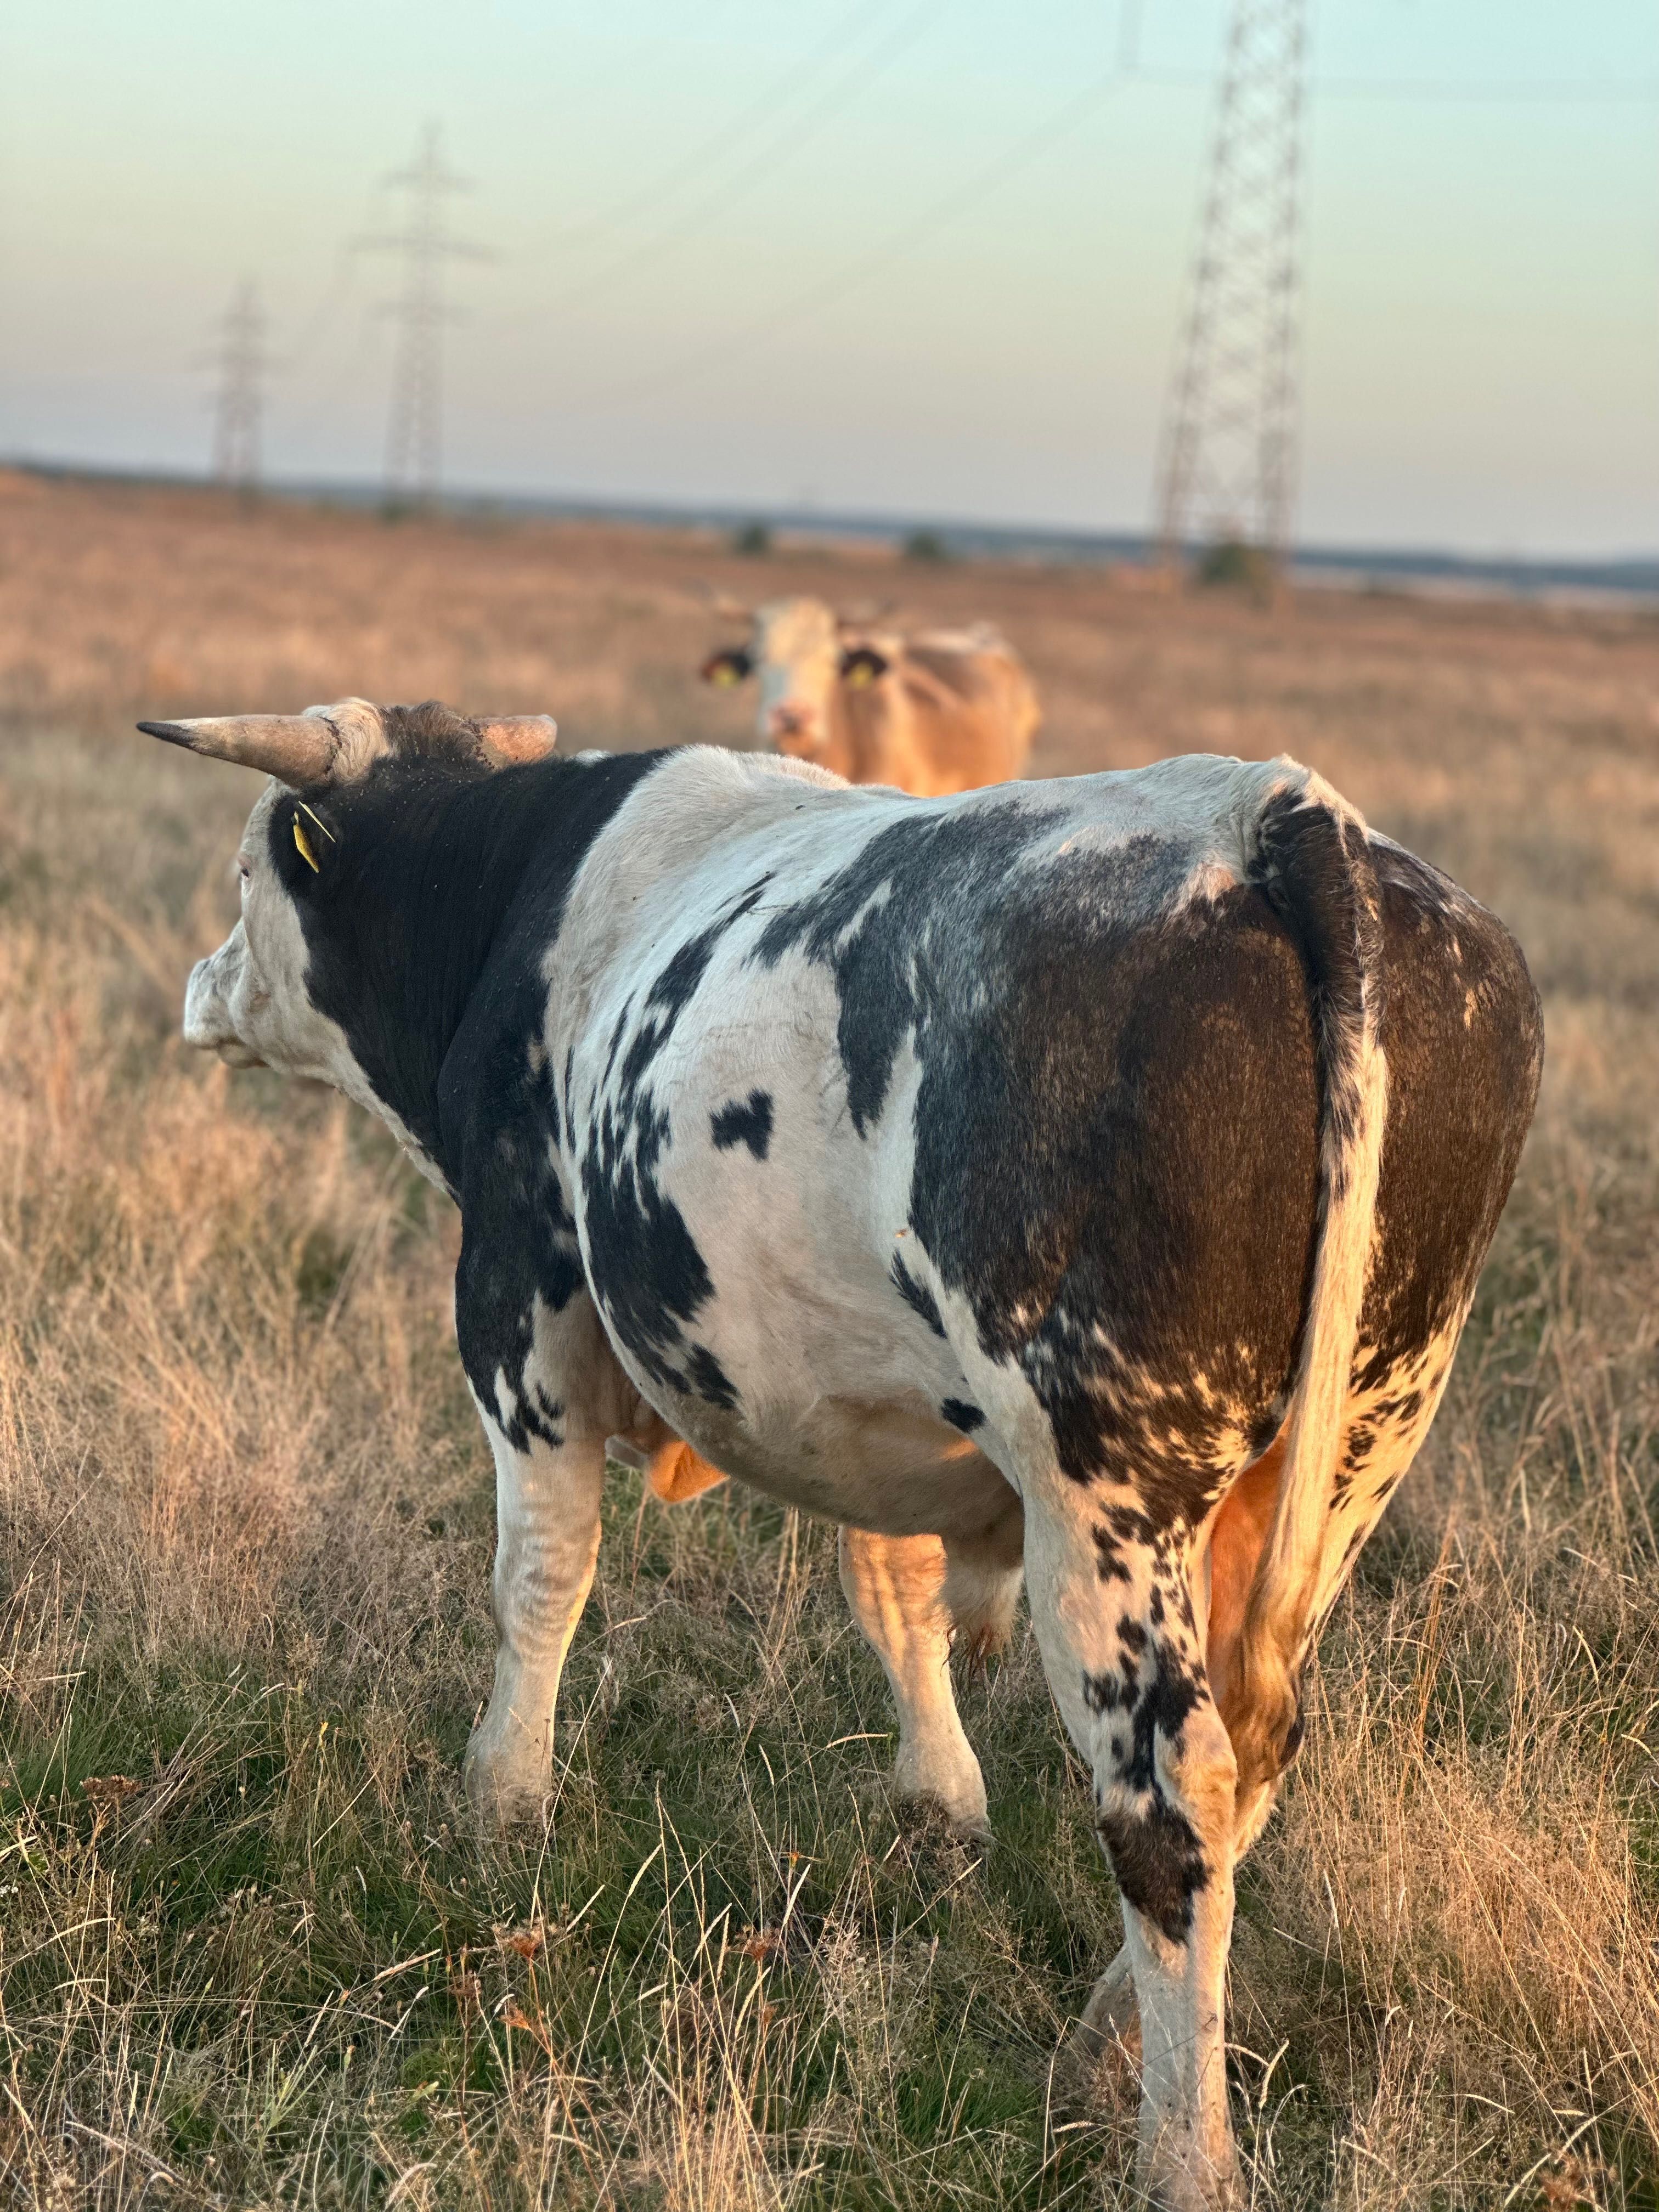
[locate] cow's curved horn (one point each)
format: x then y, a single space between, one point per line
515 740
297 749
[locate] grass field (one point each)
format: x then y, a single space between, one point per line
245 1508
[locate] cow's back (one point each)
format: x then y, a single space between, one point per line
957 711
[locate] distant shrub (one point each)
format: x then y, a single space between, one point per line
925 545
754 538
1231 565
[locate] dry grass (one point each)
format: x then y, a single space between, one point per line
245 1511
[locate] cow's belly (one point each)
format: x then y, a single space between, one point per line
892 1467
748 1285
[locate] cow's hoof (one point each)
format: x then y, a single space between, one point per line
1195 2185
956 1791
967 1827
504 1793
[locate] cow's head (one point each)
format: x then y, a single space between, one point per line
804 654
254 1000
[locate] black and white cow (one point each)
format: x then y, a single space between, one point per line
1089 1178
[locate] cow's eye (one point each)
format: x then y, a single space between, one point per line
245 870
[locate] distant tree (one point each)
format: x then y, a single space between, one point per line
754 538
925 545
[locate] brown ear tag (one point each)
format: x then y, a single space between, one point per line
304 845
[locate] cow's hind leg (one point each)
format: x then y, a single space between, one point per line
1114 1616
1382 1430
913 1597
1236 1535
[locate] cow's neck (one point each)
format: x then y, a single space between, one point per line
446 888
857 721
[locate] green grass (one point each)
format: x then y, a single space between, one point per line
721 1891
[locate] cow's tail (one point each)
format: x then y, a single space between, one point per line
1308 851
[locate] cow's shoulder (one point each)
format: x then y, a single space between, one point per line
707 813
433 872
625 915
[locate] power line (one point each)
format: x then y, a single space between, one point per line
1550 91
1227 467
1129 38
414 443
782 92
347 366
334 297
1620 92
238 402
414 449
827 291
798 134
301 357
1000 169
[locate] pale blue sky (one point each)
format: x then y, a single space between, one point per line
1482 331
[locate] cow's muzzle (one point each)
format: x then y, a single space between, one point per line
208 1024
791 728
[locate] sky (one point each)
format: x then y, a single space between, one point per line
920 258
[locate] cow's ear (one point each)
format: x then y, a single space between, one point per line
863 663
516 740
728 666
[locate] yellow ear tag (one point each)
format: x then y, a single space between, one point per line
726 676
860 674
304 844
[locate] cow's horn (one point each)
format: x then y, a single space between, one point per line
297 749
515 740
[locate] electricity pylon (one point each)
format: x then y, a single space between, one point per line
238 405
414 446
1227 471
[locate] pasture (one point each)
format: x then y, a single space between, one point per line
252 1950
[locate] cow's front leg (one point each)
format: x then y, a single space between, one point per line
1124 1658
914 1597
548 1399
547 1539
